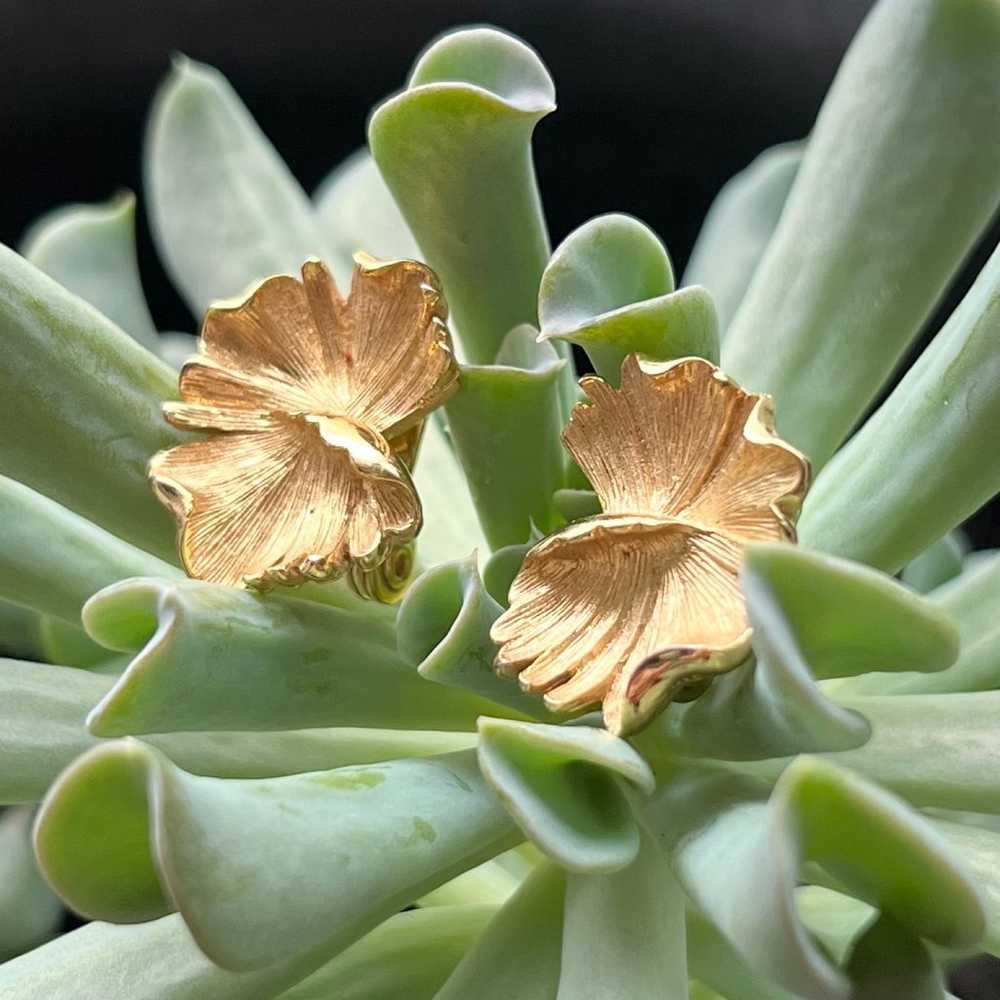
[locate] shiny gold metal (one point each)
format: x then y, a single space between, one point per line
316 405
639 605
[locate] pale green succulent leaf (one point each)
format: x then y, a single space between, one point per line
576 504
491 882
888 961
742 868
937 564
80 407
224 208
455 151
451 526
176 348
42 712
20 632
90 249
609 287
69 645
891 195
932 432
739 225
624 934
834 918
29 912
973 598
565 787
56 559
443 629
158 960
212 657
357 212
505 419
500 570
518 955
869 621
931 749
334 852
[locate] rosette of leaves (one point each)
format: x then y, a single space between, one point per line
306 796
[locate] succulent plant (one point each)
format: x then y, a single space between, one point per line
308 795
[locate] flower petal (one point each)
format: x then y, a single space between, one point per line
294 501
683 441
601 597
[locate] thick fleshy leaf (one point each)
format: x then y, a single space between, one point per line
932 432
451 527
738 857
937 564
80 407
263 871
20 632
518 955
211 657
888 961
443 629
357 212
224 209
623 933
501 568
56 559
891 195
405 958
69 645
455 150
491 882
933 749
29 913
973 599
90 249
576 504
609 287
980 851
565 786
505 419
739 225
42 731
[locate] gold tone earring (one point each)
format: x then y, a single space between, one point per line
640 605
315 405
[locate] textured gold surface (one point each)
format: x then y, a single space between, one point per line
640 605
316 405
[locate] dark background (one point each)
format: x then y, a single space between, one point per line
660 102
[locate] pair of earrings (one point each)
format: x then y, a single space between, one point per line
316 405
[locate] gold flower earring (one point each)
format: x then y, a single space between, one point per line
316 405
640 605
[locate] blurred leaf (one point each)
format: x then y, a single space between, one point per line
408 957
888 961
576 504
506 419
176 348
565 787
491 882
932 432
20 630
937 564
738 858
158 960
56 559
609 287
443 628
980 851
80 407
212 657
624 933
891 195
451 527
224 209
933 750
455 150
29 913
973 599
500 570
264 871
90 249
357 212
71 646
518 955
739 225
